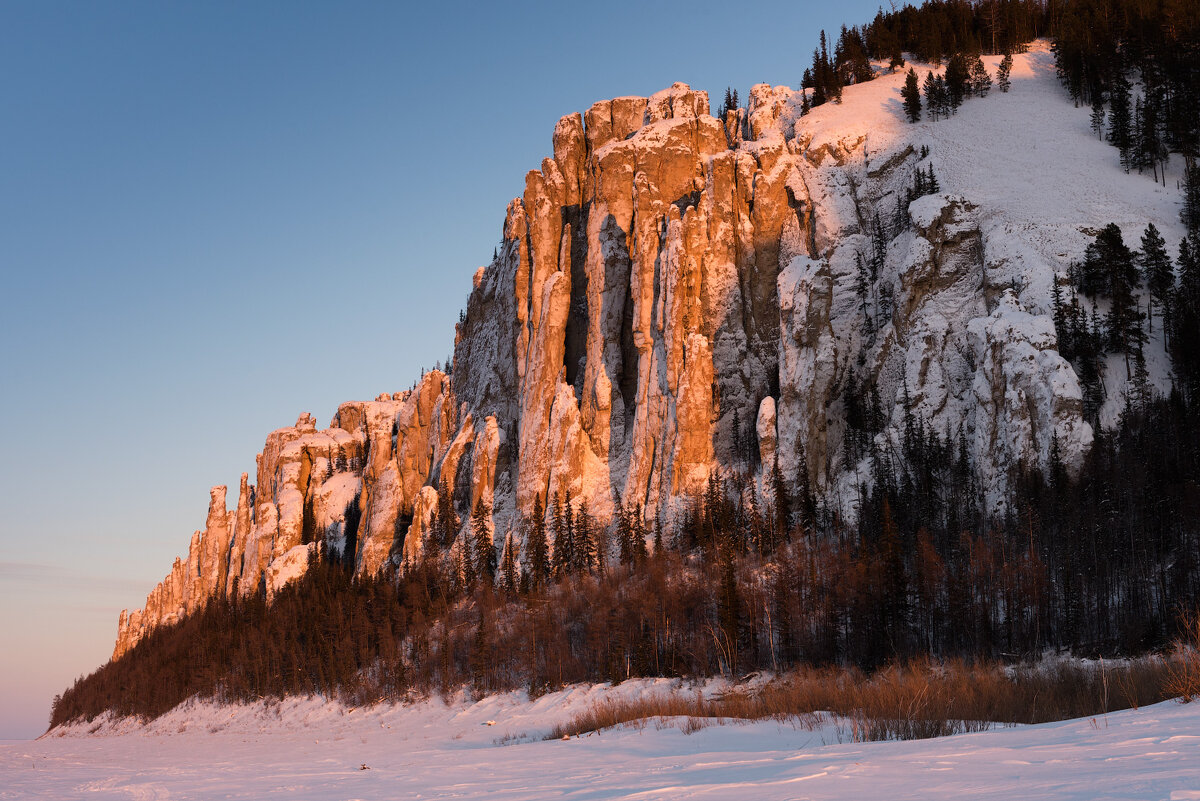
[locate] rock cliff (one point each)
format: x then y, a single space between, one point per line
673 295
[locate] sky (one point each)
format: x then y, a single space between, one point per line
217 215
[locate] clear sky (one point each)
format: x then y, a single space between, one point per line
217 215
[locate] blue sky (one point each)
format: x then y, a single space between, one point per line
215 216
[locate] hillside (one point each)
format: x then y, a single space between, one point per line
664 306
732 394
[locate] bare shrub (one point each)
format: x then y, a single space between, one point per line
1183 668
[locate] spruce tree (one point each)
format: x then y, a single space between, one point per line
585 540
1152 150
782 502
1157 271
932 101
538 557
484 551
942 91
862 287
980 81
1003 73
1098 115
912 96
562 558
625 549
1191 198
958 79
508 565
1120 124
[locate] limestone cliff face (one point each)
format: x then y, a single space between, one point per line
673 295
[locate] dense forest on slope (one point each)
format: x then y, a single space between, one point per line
1104 563
756 576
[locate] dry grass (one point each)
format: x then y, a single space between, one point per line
919 699
1183 672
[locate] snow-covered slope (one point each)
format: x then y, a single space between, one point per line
310 749
676 295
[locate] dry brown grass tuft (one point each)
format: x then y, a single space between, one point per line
922 698
1183 673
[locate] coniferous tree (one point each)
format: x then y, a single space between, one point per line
1098 115
1191 197
1120 123
946 106
538 557
781 501
563 556
1157 271
585 540
624 534
351 520
958 80
1149 143
980 80
483 550
933 96
1003 73
508 565
862 287
1185 318
912 96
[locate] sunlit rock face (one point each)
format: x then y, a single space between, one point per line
672 295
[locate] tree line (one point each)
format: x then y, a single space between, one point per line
753 576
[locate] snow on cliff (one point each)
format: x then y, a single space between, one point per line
672 290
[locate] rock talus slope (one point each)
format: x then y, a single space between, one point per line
675 295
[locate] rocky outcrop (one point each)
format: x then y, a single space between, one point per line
673 295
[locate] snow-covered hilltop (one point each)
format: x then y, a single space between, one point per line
676 295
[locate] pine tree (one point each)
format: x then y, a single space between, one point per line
562 557
638 528
1110 271
1120 125
1004 72
729 612
484 551
862 287
508 565
958 80
585 540
1191 198
818 89
912 96
1185 318
980 81
1157 271
625 547
932 98
781 501
944 102
1098 115
445 523
538 557
1140 392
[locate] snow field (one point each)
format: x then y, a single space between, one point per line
311 749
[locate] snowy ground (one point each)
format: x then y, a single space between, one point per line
308 749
